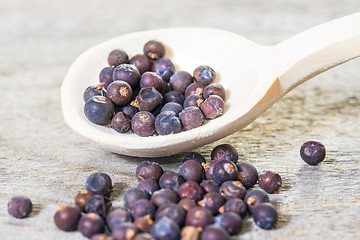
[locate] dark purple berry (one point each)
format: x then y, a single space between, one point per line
225 152
172 106
143 124
255 197
232 189
171 180
99 110
99 183
270 181
94 90
192 190
165 88
163 196
20 207
128 73
214 89
312 152
265 215
248 174
173 212
191 170
235 205
148 170
117 217
125 231
204 75
180 81
144 224
141 62
167 123
194 88
213 232
120 92
148 99
187 204
174 96
210 186
121 122
209 169
148 185
225 171
131 195
199 217
67 218
213 107
82 198
165 229
127 109
117 57
194 156
99 204
154 49
194 100
191 117
164 68
212 201
151 79
230 221
91 224
106 76
141 208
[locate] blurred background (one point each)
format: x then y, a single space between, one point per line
42 158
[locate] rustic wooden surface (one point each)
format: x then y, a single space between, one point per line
41 158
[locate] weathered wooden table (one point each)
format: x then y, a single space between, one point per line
41 158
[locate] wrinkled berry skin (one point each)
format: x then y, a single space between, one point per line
213 232
121 122
248 174
131 195
99 204
265 215
172 106
164 196
191 117
214 89
173 212
191 170
210 186
225 152
105 76
148 170
312 152
174 96
171 180
212 201
117 57
255 197
67 218
99 183
213 107
199 217
128 73
232 189
164 68
180 81
148 185
142 124
20 207
187 204
194 100
204 75
82 198
194 156
99 110
120 92
91 224
165 229
117 217
154 49
167 123
235 205
192 190
270 181
148 99
225 171
230 221
141 62
150 79
94 90
125 231
141 208
194 88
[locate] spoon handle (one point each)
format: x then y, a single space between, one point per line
317 50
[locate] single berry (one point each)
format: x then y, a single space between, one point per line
180 81
105 76
191 170
270 181
194 100
204 75
148 99
225 171
141 62
194 88
117 217
213 107
173 212
171 180
212 201
199 217
154 49
164 68
230 221
148 185
312 152
20 207
214 89
91 224
67 218
167 123
81 199
131 195
99 110
192 190
94 90
151 79
165 229
121 122
210 186
143 124
148 170
99 183
117 57
265 215
128 73
141 208
174 96
255 197
172 106
248 174
232 189
163 196
191 117
235 205
120 92
225 152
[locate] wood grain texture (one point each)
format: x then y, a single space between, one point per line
42 159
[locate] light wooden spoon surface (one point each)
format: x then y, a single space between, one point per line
254 76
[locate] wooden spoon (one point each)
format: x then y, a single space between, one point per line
255 77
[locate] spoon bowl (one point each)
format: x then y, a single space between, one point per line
254 76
